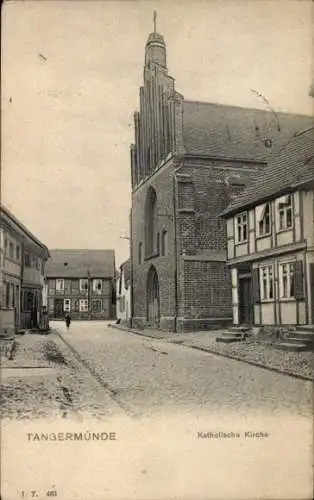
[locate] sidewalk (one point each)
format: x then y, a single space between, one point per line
251 351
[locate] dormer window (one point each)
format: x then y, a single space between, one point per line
284 205
241 227
263 219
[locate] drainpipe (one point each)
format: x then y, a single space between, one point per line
175 250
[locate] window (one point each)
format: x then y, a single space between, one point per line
11 250
241 227
6 246
285 212
266 283
150 222
7 294
96 305
140 253
27 260
59 285
67 305
17 252
97 286
158 243
83 285
263 219
286 280
83 305
164 243
122 304
12 295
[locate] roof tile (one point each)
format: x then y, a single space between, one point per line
67 263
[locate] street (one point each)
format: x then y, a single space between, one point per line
148 376
99 371
180 420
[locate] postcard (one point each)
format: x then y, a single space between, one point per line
157 250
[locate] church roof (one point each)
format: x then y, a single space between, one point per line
223 131
292 167
65 263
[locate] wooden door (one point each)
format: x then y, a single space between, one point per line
245 300
59 308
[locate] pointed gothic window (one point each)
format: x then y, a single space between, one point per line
151 222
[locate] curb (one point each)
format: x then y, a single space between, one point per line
226 355
253 363
136 332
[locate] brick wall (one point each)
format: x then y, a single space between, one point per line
207 294
162 182
203 286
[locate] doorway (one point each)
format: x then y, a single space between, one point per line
153 307
59 308
245 299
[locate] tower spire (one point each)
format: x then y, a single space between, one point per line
154 20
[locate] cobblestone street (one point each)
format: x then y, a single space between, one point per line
151 376
97 371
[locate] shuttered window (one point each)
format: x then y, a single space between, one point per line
299 281
287 279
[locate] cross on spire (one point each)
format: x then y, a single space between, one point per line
154 19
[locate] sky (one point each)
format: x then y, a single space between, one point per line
71 72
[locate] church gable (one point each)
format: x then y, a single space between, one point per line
154 123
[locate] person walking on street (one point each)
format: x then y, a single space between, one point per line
67 320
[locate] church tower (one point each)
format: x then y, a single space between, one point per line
154 122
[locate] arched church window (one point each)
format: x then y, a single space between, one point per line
151 222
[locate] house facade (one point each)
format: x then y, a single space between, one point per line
189 159
81 283
22 264
124 291
270 231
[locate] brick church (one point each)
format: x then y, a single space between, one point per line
188 160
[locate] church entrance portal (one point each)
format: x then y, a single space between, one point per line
153 308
